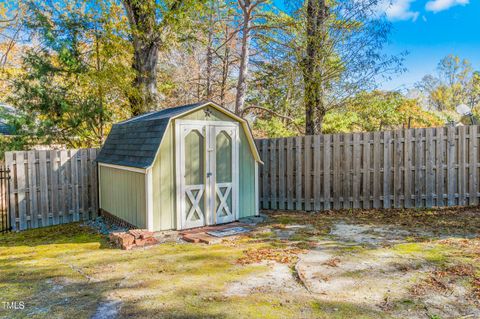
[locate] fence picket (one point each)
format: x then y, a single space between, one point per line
386 169
451 166
376 169
317 181
281 173
440 164
429 167
337 172
42 158
398 165
462 177
32 187
418 167
366 171
356 171
54 186
346 169
298 173
63 201
290 180
472 166
326 172
408 169
308 172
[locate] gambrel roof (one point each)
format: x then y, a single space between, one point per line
135 142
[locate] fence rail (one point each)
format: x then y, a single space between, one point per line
51 187
401 169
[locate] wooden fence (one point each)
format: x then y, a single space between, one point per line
404 168
52 187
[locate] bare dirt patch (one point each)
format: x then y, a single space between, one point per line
415 264
277 279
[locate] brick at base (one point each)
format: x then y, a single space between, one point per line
133 238
202 238
140 233
122 239
145 242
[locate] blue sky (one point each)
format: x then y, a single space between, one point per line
430 30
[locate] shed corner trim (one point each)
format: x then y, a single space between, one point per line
149 198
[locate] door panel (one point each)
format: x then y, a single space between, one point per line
225 171
192 149
207 179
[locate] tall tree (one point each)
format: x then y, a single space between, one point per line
313 65
153 24
338 47
77 78
454 83
248 9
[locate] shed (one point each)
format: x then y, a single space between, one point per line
178 168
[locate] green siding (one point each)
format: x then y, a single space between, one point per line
164 179
122 194
164 204
247 178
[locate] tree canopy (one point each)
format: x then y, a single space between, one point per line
73 68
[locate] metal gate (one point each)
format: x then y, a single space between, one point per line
5 224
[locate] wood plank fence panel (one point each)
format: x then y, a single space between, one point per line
298 173
327 173
366 171
273 173
308 173
52 187
473 166
281 174
419 168
440 166
317 181
290 180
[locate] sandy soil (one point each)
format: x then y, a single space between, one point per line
358 263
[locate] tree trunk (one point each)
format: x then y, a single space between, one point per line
225 68
312 67
142 18
144 64
101 111
210 55
244 56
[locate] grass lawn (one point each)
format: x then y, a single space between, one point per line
70 271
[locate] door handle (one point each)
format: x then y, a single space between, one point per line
209 174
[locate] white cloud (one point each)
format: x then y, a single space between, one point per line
399 10
440 5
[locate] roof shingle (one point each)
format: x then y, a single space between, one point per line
135 142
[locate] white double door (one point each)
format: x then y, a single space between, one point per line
207 173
